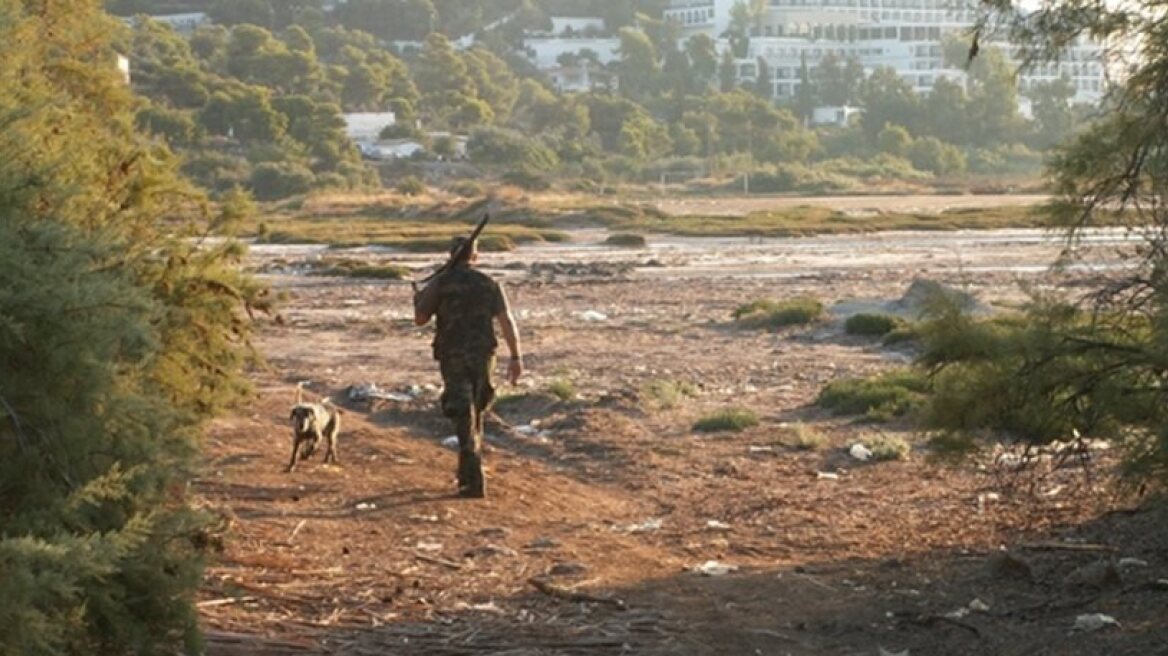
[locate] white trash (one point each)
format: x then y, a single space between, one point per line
715 568
827 476
652 524
450 442
860 452
593 316
715 525
1090 622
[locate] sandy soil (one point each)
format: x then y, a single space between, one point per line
603 507
736 206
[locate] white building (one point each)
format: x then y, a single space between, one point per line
902 34
364 127
545 51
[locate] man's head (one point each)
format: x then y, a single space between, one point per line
469 256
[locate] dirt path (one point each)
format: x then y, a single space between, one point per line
610 496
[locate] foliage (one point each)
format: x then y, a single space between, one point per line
728 419
876 325
666 394
121 330
802 437
410 186
563 389
626 239
887 447
891 394
766 313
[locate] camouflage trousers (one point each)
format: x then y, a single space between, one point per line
467 394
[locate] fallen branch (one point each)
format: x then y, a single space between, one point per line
438 561
568 594
1051 545
223 602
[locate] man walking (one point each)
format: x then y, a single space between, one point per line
466 302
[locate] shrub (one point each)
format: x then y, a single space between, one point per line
667 394
888 395
626 239
528 179
467 188
410 186
872 324
272 180
563 389
887 447
802 437
764 313
729 419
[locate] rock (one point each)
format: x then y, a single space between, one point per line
450 442
1009 567
567 569
495 532
542 543
489 551
1132 563
1099 574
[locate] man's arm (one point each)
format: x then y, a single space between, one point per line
511 336
426 303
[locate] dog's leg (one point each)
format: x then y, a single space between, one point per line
331 430
295 448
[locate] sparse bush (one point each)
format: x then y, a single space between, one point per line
887 447
776 314
906 332
888 395
729 419
563 389
802 437
410 185
528 179
627 239
467 188
274 180
667 394
350 268
872 324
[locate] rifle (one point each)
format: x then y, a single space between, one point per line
462 251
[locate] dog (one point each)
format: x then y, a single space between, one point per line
311 423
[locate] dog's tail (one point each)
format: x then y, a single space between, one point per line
300 392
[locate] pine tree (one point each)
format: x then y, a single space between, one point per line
121 329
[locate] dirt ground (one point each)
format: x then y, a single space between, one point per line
604 507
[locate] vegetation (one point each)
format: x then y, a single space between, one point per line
728 419
875 325
350 268
666 394
887 447
769 314
802 437
122 330
880 398
626 239
257 98
563 389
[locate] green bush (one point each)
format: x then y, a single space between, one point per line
410 185
882 397
626 239
563 389
765 313
887 447
528 179
272 180
467 188
730 419
875 325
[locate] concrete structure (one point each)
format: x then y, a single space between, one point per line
585 77
577 26
902 34
367 126
830 115
544 51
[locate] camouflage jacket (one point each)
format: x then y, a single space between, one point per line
468 301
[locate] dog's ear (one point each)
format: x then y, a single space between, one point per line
292 415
